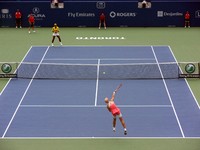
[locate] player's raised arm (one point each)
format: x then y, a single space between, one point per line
113 96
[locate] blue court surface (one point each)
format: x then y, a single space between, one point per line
152 108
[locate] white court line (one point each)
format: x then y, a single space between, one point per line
180 127
101 46
111 46
186 80
89 106
85 59
93 137
97 83
24 94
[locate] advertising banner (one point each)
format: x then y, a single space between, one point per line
86 13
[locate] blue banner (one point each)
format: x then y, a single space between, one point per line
76 13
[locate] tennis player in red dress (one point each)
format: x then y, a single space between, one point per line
102 19
187 19
31 20
112 107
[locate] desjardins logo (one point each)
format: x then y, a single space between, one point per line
6 68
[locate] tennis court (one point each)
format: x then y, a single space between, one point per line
152 108
182 42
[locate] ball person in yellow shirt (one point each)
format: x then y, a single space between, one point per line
55 31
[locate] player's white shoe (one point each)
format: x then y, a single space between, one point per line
125 132
114 130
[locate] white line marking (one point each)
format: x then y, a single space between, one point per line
86 59
135 46
93 137
24 94
88 106
97 83
168 93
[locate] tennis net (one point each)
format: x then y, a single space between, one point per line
167 70
98 71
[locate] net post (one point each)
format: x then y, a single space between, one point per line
179 69
17 67
199 69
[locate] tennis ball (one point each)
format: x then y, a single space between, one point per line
104 72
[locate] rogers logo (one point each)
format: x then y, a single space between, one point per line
122 14
112 14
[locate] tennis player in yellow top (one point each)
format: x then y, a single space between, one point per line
55 31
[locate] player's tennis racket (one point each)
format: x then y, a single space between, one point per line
119 86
